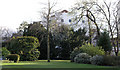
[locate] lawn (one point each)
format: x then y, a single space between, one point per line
42 64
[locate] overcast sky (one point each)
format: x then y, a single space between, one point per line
14 12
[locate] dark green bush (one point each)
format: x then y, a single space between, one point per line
32 56
82 58
26 47
111 60
108 61
13 57
5 52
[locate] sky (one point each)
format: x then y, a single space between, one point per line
14 12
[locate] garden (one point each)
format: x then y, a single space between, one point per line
81 44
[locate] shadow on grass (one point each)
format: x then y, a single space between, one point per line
60 69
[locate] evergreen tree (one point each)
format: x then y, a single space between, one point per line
104 41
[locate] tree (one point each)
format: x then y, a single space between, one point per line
24 46
103 11
104 41
37 30
5 32
116 28
108 16
46 19
85 9
22 26
75 39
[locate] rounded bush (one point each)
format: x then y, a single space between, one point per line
82 58
92 50
5 52
74 53
87 48
27 47
13 57
96 60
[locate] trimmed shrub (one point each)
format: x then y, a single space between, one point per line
117 60
7 61
13 57
105 60
5 52
96 60
27 47
108 60
82 58
111 60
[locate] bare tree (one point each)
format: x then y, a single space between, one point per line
116 28
108 16
103 10
46 22
5 32
87 10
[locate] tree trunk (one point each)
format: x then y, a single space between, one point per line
48 36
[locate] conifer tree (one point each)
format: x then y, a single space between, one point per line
104 41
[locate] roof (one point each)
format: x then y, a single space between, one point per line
64 11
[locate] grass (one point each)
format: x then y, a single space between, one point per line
52 64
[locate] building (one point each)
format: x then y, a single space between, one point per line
67 18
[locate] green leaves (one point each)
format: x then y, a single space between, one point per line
25 45
5 52
104 41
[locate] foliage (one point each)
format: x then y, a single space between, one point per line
38 30
119 53
24 46
76 38
91 50
104 41
74 53
31 56
22 26
5 52
105 60
82 58
87 48
13 57
111 60
96 60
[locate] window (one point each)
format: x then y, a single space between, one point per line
83 21
62 20
69 20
